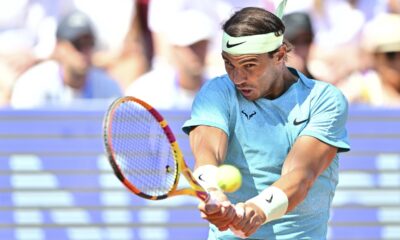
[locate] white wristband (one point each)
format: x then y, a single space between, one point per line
273 202
206 176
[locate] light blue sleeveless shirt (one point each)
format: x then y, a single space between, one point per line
262 132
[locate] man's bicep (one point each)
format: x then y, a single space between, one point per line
208 144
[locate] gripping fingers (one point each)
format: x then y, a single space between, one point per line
250 228
254 220
240 222
220 214
226 216
240 215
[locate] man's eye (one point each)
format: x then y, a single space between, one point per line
249 65
229 64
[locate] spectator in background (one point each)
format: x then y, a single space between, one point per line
70 74
121 47
299 32
26 36
337 25
173 84
378 84
217 11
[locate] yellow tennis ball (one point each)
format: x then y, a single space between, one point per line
229 178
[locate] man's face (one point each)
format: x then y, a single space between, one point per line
388 65
254 75
76 57
191 59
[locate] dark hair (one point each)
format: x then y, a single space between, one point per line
253 21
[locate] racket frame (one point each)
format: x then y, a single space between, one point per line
182 168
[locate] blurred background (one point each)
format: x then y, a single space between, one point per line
63 62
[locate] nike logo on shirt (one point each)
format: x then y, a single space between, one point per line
295 122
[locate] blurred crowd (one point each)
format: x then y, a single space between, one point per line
58 51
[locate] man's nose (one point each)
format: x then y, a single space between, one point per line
238 76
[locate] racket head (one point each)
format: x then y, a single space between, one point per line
142 149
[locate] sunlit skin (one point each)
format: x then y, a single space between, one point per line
259 75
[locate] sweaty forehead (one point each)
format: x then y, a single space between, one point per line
243 57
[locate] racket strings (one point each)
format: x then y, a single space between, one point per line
142 150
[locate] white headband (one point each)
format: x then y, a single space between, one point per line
254 44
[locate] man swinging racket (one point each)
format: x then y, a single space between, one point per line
282 130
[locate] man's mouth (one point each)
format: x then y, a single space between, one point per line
245 92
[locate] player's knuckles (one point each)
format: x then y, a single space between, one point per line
252 225
246 227
241 224
240 209
229 212
250 212
236 223
224 216
212 209
236 219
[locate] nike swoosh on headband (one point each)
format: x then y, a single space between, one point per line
254 44
234 44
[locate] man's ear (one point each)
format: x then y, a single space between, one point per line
280 55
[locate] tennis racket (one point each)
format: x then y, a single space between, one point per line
144 153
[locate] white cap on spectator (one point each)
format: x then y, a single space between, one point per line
382 34
188 27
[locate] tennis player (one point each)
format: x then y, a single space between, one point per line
281 129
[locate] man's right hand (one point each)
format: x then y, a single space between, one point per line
248 219
218 210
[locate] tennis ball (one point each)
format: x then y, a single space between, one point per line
229 178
